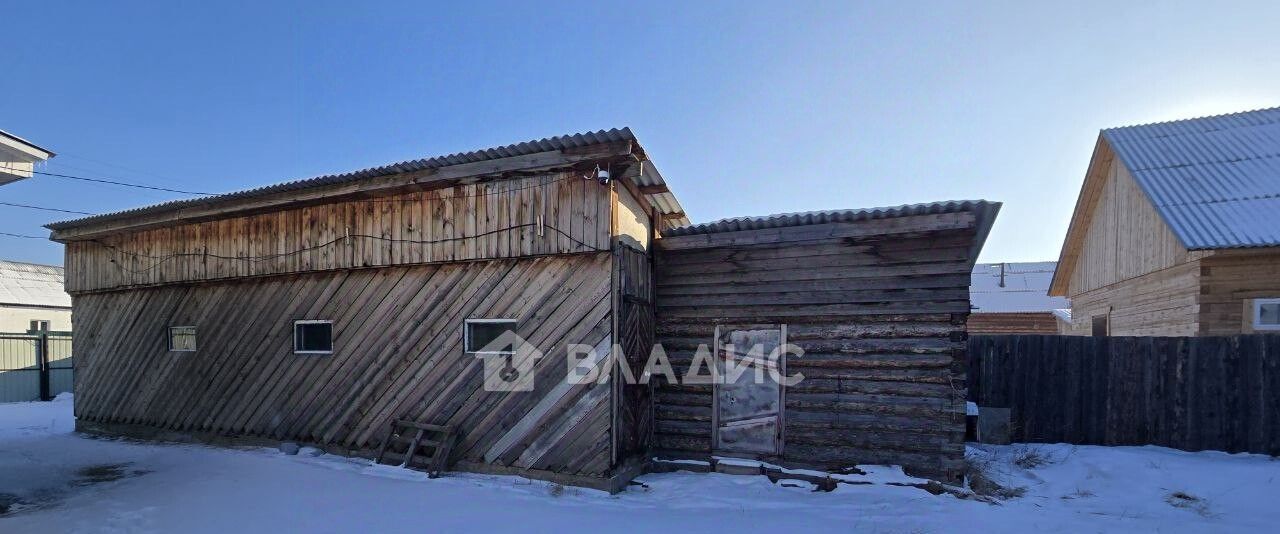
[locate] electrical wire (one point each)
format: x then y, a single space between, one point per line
28 206
111 182
160 260
566 177
23 236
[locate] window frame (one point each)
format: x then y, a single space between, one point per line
48 325
296 324
466 335
1257 315
194 336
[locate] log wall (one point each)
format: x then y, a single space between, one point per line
879 308
398 353
528 216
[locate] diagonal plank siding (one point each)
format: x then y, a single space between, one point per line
879 308
495 219
398 353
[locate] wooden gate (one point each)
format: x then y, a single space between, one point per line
635 325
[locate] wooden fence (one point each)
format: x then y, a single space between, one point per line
1202 393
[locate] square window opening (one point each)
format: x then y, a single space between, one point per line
486 336
182 339
1266 314
38 325
313 337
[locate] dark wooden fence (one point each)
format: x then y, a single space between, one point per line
1203 393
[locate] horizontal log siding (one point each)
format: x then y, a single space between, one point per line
398 353
879 311
479 221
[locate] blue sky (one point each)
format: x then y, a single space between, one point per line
747 108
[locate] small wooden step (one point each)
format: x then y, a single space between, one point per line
415 433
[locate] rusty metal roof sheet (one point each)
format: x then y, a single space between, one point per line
1214 180
667 204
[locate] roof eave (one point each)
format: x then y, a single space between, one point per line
251 202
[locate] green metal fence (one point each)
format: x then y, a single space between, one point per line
35 366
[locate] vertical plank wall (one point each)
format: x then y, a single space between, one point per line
398 353
878 306
497 219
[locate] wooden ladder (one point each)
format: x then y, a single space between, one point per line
436 438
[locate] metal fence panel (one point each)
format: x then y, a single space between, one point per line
22 377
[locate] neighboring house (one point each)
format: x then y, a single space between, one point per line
319 311
18 157
1176 230
1012 298
32 298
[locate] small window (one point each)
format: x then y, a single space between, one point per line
39 326
1266 314
182 338
480 334
313 337
1100 326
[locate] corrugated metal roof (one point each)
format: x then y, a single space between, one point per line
1214 180
30 284
665 205
820 217
1025 289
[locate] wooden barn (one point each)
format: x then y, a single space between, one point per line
877 300
1175 232
360 313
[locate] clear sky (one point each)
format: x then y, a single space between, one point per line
747 108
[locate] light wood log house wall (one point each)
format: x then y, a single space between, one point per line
1175 231
397 258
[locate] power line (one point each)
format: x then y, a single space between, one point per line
124 184
28 206
112 182
23 236
160 260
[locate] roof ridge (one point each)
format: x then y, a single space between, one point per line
1191 119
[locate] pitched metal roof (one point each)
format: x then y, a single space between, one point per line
30 284
666 202
1025 287
735 224
1214 180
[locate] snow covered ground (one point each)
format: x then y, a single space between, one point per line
52 480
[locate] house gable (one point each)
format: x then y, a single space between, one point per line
1116 234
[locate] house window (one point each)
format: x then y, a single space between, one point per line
313 337
1100 326
1266 314
182 338
39 326
481 336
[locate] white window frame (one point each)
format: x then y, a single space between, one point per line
194 333
466 335
47 324
1257 314
312 321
